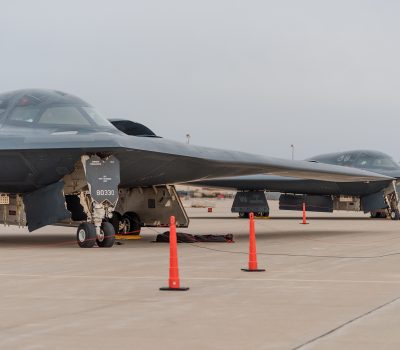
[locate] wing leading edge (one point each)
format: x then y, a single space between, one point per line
152 161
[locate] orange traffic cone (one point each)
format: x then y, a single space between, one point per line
304 222
253 266
174 282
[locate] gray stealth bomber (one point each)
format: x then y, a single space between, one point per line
378 197
62 163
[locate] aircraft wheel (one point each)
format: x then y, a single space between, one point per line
395 215
107 235
243 215
116 221
86 235
378 215
130 224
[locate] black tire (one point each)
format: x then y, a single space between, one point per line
130 224
107 238
86 235
395 215
378 215
243 215
115 221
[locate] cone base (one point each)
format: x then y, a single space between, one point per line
304 223
253 270
177 289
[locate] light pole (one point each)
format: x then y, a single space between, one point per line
292 146
188 188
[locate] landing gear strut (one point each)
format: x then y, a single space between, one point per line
392 201
98 195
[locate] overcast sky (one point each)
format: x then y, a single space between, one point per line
249 75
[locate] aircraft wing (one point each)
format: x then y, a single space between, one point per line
285 184
149 161
47 157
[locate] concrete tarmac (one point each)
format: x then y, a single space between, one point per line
334 283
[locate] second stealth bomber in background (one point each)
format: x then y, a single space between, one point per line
380 198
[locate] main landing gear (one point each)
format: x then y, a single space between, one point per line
244 215
126 224
394 214
247 202
392 201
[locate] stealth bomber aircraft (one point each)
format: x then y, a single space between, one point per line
63 163
380 198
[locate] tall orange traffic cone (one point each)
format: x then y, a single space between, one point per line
304 222
253 266
174 282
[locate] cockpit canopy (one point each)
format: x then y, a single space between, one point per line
48 109
364 159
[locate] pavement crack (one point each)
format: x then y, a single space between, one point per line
313 340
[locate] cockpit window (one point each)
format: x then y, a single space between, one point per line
376 161
4 102
371 160
63 115
97 118
25 113
47 109
346 159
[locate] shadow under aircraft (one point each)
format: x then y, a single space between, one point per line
63 163
380 198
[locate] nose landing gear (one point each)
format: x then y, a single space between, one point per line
87 236
98 199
